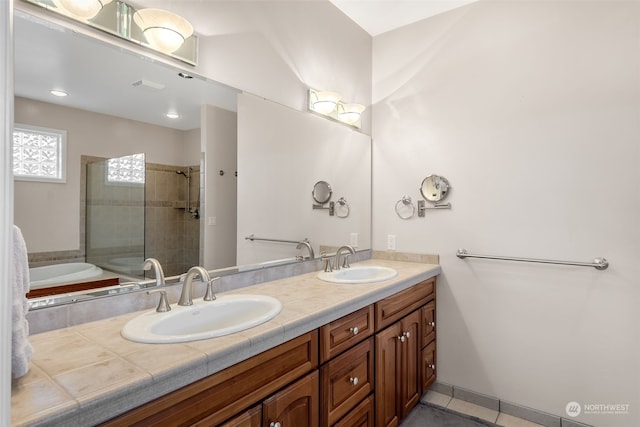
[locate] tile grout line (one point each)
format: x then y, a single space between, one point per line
451 393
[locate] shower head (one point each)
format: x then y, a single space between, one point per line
181 173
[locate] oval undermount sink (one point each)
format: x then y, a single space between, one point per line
225 315
360 274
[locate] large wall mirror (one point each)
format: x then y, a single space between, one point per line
230 165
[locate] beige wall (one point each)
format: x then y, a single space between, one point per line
219 210
49 214
530 109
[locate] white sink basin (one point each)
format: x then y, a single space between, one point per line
204 319
361 274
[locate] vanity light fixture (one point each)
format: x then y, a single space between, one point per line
323 102
350 113
164 30
81 9
157 29
329 104
58 92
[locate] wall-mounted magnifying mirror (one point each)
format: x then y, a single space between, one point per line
434 188
322 192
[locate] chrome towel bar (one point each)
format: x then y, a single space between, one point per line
253 238
598 263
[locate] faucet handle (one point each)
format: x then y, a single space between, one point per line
345 263
327 264
163 303
209 296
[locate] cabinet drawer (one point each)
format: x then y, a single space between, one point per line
346 381
428 365
360 416
399 305
343 333
428 323
216 398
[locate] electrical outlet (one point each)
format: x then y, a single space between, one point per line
391 242
354 239
212 220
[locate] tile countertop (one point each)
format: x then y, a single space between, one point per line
87 374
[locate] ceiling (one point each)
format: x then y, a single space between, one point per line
379 16
49 56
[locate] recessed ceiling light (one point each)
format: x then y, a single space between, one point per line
173 115
185 75
58 92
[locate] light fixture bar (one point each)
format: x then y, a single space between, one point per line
160 30
330 104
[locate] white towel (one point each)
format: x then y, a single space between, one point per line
21 349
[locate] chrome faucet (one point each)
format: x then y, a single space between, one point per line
345 263
186 297
157 269
305 243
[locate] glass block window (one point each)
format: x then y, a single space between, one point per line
126 169
39 154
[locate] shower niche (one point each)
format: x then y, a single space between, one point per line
137 210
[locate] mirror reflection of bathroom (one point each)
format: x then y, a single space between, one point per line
322 192
434 188
137 210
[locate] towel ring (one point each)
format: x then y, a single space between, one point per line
405 208
342 208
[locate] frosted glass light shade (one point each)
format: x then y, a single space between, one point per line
350 113
81 9
325 102
164 31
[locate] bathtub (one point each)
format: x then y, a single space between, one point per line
59 274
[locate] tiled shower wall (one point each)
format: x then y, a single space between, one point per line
172 233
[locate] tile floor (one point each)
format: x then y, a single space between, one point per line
440 410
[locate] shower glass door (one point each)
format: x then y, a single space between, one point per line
115 215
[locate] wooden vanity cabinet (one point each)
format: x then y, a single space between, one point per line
347 372
295 405
343 333
366 369
252 417
223 395
401 355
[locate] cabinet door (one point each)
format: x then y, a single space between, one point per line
249 418
294 406
428 323
387 370
409 379
360 416
428 365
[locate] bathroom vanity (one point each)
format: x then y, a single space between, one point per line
337 355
